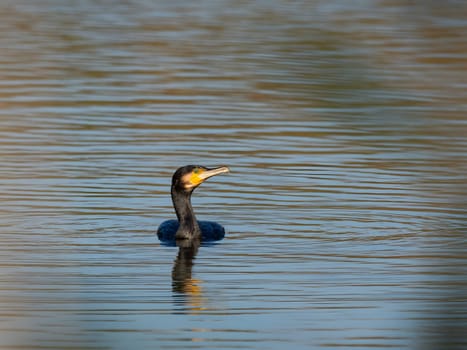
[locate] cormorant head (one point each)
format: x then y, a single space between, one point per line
188 177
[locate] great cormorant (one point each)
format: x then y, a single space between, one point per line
184 181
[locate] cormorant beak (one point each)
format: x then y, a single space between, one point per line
197 177
212 172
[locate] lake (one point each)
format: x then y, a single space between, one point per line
344 125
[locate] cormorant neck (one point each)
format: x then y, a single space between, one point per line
188 225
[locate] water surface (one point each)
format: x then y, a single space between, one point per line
344 126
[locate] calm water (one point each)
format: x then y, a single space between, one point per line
344 124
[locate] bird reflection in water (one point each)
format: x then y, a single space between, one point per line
187 291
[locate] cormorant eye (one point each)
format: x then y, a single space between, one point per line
196 170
